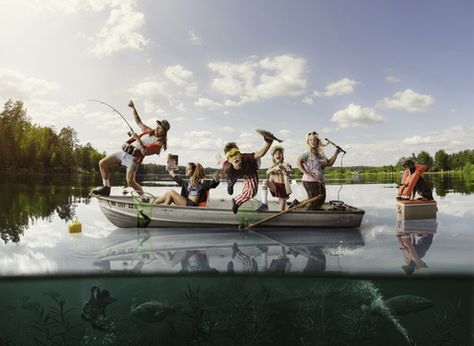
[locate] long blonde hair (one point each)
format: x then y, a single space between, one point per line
319 148
198 173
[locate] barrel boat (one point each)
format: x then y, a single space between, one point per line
127 212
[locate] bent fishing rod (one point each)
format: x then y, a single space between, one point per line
116 111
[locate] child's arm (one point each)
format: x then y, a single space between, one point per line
271 170
263 150
333 158
139 122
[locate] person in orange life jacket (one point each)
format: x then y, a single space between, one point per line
244 166
312 164
149 142
278 184
193 190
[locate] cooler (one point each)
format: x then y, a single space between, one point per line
416 209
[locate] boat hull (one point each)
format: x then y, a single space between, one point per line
123 212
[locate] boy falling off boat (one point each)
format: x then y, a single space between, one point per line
244 166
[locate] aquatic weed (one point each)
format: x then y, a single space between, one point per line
6 341
248 319
202 325
54 323
448 329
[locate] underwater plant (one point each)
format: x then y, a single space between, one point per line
55 324
448 329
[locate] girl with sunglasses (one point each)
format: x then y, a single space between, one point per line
312 164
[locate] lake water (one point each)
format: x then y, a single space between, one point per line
216 285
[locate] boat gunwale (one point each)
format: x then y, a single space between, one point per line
270 212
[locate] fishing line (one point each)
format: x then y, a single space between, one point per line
116 111
340 188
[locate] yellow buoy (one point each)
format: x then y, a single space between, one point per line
75 226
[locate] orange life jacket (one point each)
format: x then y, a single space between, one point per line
409 181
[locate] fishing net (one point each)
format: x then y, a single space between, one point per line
143 204
247 214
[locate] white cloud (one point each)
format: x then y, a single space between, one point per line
383 152
285 132
16 85
178 74
416 140
198 134
355 116
343 86
26 262
194 38
308 100
458 137
206 103
407 100
228 129
253 80
152 92
285 78
75 6
120 31
392 79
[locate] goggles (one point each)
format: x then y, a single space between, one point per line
232 153
314 133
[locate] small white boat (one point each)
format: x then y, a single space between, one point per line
126 212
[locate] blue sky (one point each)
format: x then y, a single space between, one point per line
381 78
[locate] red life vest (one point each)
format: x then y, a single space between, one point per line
151 149
409 181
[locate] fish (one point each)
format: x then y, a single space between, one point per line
407 304
152 311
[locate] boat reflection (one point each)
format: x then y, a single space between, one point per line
415 238
227 251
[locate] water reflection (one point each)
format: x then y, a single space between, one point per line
22 204
415 238
231 252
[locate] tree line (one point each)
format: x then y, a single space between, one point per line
29 147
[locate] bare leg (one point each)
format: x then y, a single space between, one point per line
282 204
270 186
131 175
105 164
171 196
176 198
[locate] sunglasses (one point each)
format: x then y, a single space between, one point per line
234 155
314 133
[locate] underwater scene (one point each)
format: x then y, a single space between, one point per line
234 310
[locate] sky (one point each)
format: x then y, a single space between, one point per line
382 79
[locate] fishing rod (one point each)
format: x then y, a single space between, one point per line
337 146
116 111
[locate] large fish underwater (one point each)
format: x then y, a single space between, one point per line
356 307
152 311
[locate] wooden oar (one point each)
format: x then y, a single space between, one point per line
302 204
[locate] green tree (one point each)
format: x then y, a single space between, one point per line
441 159
424 158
